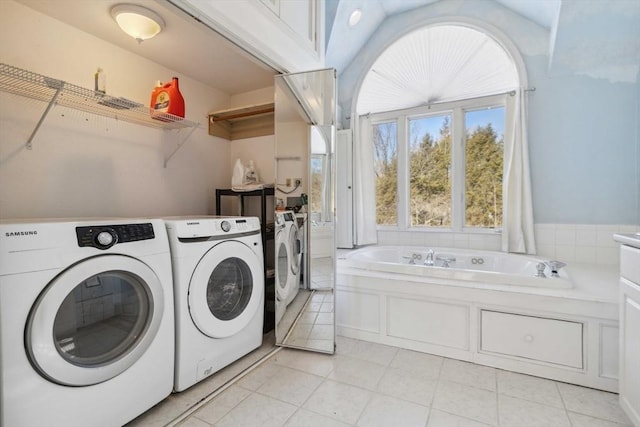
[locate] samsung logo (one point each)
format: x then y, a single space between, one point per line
21 233
193 223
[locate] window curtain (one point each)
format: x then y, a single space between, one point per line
517 216
364 203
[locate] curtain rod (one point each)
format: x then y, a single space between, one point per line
510 93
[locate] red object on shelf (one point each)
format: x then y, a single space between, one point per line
167 99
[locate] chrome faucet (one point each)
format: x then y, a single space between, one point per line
428 258
445 260
555 267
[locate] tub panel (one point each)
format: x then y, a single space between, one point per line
358 310
429 322
548 340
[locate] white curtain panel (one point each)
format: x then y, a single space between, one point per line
517 216
364 203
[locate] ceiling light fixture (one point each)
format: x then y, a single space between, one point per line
355 17
137 21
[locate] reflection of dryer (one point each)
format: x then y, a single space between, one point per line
86 321
219 293
288 257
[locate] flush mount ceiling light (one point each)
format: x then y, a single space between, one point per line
137 21
355 17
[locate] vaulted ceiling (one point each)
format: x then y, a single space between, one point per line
600 38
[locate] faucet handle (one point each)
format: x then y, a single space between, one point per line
555 267
540 267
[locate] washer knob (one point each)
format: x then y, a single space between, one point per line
225 226
104 238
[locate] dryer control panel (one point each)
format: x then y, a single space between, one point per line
105 236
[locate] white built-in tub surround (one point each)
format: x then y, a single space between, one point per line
571 243
563 328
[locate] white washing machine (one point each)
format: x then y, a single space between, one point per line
219 293
86 321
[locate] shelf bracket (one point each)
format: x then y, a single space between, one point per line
180 144
60 86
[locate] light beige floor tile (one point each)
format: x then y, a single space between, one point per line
357 372
340 401
258 411
444 419
260 375
322 332
364 350
194 422
383 411
304 418
213 411
420 364
514 412
321 345
465 401
469 373
325 319
406 386
529 388
579 420
291 386
587 401
313 363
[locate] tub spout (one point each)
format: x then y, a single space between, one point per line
555 267
446 260
428 258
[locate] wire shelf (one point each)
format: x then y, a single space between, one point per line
58 92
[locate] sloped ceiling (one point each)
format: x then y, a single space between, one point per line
592 37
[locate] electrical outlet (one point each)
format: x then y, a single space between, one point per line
297 182
288 182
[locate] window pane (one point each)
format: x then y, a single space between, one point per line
484 158
385 152
430 171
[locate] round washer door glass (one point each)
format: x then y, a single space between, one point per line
226 289
294 243
282 267
88 327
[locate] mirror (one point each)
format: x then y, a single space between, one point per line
305 210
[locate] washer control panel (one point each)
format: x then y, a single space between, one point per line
105 236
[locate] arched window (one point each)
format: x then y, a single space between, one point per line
439 103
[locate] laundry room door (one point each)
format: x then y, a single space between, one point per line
94 320
226 289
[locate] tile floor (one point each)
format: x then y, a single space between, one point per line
367 384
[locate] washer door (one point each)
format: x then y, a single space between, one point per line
94 320
294 244
226 289
282 264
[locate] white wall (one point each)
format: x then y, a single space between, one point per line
84 165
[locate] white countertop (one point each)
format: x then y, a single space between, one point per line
628 239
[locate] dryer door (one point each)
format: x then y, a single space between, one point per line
94 320
296 249
226 289
283 262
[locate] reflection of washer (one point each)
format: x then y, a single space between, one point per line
219 293
288 257
86 321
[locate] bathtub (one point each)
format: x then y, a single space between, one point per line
487 267
486 307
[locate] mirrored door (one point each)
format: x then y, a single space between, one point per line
305 211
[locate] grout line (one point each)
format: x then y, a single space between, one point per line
217 392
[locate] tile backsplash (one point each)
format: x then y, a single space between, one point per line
582 243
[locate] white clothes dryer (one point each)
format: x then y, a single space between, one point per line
86 321
288 252
219 293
